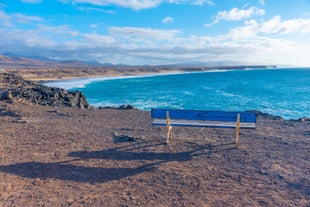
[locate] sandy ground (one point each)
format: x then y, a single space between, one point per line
69 73
109 157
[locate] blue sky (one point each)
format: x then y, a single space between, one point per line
155 32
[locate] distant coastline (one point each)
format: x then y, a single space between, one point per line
52 74
70 82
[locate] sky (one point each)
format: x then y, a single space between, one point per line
154 32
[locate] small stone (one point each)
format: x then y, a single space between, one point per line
5 95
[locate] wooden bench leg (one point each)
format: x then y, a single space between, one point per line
169 134
237 130
169 128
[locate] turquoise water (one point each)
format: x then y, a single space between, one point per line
284 92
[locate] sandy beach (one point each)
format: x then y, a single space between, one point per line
65 156
71 73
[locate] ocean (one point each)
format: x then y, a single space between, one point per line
282 92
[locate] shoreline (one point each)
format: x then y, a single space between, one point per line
124 75
107 76
44 75
79 82
55 74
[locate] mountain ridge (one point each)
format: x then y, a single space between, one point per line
11 60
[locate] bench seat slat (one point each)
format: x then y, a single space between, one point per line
196 123
204 115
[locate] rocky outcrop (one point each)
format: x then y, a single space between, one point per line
17 88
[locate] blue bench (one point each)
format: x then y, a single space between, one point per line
196 118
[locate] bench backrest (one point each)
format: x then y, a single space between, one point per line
203 115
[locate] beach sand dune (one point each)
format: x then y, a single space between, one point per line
110 157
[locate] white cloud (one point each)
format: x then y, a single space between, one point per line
23 40
143 33
137 4
88 9
133 4
8 20
97 39
94 26
273 26
261 2
5 19
61 29
31 1
271 42
26 19
249 30
193 2
238 14
203 2
292 26
168 20
65 1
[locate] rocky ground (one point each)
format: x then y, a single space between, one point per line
67 156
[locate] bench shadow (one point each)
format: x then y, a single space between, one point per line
211 148
79 173
73 173
127 154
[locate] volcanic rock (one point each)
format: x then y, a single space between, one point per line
21 89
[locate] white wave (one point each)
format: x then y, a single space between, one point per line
82 82
216 71
227 94
208 88
71 83
188 93
139 104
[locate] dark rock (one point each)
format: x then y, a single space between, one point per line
5 95
266 115
28 90
123 138
122 107
303 119
126 107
